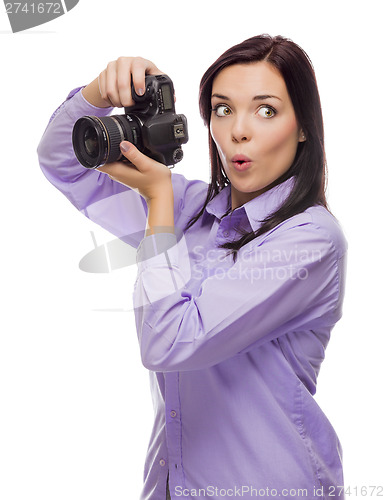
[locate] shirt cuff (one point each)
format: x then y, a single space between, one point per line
153 245
163 267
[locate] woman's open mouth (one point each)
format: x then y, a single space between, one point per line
241 162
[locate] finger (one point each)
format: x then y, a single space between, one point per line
133 155
152 69
102 87
138 75
112 85
124 81
140 68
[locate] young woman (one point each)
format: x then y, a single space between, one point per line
240 282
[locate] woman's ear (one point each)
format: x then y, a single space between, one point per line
302 136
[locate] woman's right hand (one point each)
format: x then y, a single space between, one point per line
113 86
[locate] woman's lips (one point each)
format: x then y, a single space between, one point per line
241 162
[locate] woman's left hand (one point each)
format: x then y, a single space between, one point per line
151 178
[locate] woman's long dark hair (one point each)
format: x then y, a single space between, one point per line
309 166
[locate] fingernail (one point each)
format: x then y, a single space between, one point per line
140 92
125 146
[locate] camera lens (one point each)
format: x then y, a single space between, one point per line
91 142
96 140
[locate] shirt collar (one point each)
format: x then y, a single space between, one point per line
256 209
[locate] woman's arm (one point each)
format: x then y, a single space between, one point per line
290 281
111 204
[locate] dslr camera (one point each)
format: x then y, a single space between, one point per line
151 125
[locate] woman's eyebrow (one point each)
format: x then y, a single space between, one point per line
263 97
255 98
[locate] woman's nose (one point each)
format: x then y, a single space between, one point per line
241 130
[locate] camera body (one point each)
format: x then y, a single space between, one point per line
151 125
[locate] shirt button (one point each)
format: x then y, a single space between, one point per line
173 413
225 234
162 462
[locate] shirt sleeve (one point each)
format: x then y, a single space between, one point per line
290 281
102 200
57 159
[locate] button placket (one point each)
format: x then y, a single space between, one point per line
173 426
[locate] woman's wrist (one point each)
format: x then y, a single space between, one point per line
160 218
92 94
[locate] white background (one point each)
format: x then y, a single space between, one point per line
76 414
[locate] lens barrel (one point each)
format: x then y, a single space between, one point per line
96 139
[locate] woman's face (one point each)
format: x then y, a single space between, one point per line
254 127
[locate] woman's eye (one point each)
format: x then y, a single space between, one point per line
222 110
266 112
